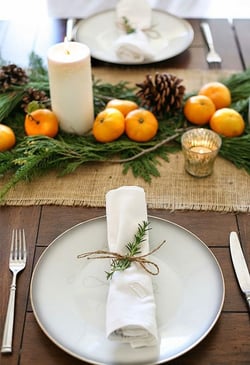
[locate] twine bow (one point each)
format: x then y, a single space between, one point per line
140 259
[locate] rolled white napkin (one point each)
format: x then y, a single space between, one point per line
131 309
133 47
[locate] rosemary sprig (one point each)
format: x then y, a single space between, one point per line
133 248
127 26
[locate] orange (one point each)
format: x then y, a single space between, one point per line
218 93
41 122
108 125
199 109
7 138
228 122
141 125
125 106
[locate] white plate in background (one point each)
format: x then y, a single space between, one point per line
99 32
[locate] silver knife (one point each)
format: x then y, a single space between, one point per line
240 266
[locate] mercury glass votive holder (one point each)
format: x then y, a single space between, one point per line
200 147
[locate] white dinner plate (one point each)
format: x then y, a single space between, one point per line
171 36
68 294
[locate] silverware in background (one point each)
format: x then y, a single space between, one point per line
213 58
70 29
17 262
240 266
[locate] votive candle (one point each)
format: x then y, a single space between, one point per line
70 80
200 147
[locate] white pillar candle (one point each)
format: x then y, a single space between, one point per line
70 81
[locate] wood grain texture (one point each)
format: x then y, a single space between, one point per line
39 350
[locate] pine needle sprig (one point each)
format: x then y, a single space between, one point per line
239 85
35 155
103 92
146 167
37 70
9 101
133 249
237 150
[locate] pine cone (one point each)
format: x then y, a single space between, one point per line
163 94
32 94
12 75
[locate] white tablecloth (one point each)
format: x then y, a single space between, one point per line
182 8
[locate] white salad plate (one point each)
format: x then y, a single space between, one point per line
68 294
168 37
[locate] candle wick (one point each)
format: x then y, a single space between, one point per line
66 42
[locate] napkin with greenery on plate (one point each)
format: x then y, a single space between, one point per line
131 308
133 17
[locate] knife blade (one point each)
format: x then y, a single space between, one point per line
240 266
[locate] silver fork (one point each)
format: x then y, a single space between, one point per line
213 58
17 262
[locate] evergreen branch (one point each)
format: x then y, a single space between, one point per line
237 150
103 92
37 70
147 150
35 155
239 85
9 101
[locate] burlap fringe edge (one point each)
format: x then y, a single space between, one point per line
171 207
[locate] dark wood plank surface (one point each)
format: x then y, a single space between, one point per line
242 34
228 342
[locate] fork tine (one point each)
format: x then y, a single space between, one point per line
18 245
215 65
13 245
24 251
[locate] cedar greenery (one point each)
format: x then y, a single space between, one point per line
33 156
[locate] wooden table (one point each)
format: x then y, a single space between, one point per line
228 342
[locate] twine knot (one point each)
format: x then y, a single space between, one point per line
127 259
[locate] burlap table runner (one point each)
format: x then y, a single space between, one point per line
227 189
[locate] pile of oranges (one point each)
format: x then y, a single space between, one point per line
124 116
118 117
212 105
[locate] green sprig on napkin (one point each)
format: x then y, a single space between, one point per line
127 26
133 248
121 262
